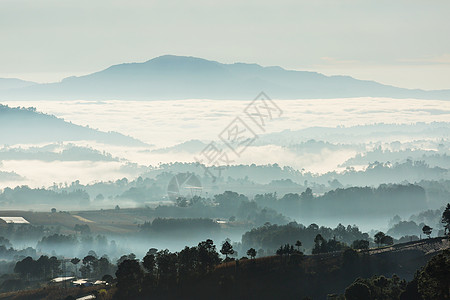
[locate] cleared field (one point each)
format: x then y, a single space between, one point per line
99 221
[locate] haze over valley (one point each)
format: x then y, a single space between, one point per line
203 150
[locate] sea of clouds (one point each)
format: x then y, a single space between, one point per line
167 123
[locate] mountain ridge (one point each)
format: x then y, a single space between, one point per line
26 125
14 83
180 77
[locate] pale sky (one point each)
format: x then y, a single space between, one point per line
404 43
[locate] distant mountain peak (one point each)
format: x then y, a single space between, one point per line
171 57
187 77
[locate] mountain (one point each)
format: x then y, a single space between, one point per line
26 126
14 83
179 77
191 146
358 134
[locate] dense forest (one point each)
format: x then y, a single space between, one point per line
300 262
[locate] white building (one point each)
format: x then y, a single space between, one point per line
13 220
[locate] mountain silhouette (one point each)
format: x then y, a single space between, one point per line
27 126
180 77
14 83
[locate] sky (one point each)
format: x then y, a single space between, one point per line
402 43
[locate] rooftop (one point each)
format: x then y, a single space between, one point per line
14 220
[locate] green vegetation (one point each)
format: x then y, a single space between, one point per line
269 237
167 275
430 282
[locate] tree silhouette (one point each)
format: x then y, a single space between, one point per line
149 262
188 264
357 291
227 249
89 264
129 278
26 267
288 249
387 240
207 255
446 218
379 238
285 250
280 251
251 252
434 279
75 261
167 268
103 267
318 244
360 244
298 244
427 230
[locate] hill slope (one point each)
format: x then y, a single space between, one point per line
13 83
25 125
178 77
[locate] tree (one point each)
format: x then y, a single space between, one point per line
129 278
103 266
280 251
319 242
288 249
357 291
188 264
43 266
360 244
26 267
182 202
434 279
149 262
319 239
167 269
379 238
207 255
323 246
251 252
152 251
89 264
227 249
75 261
108 278
298 244
387 240
446 218
83 229
427 230
285 250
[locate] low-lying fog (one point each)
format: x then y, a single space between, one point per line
311 165
167 123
